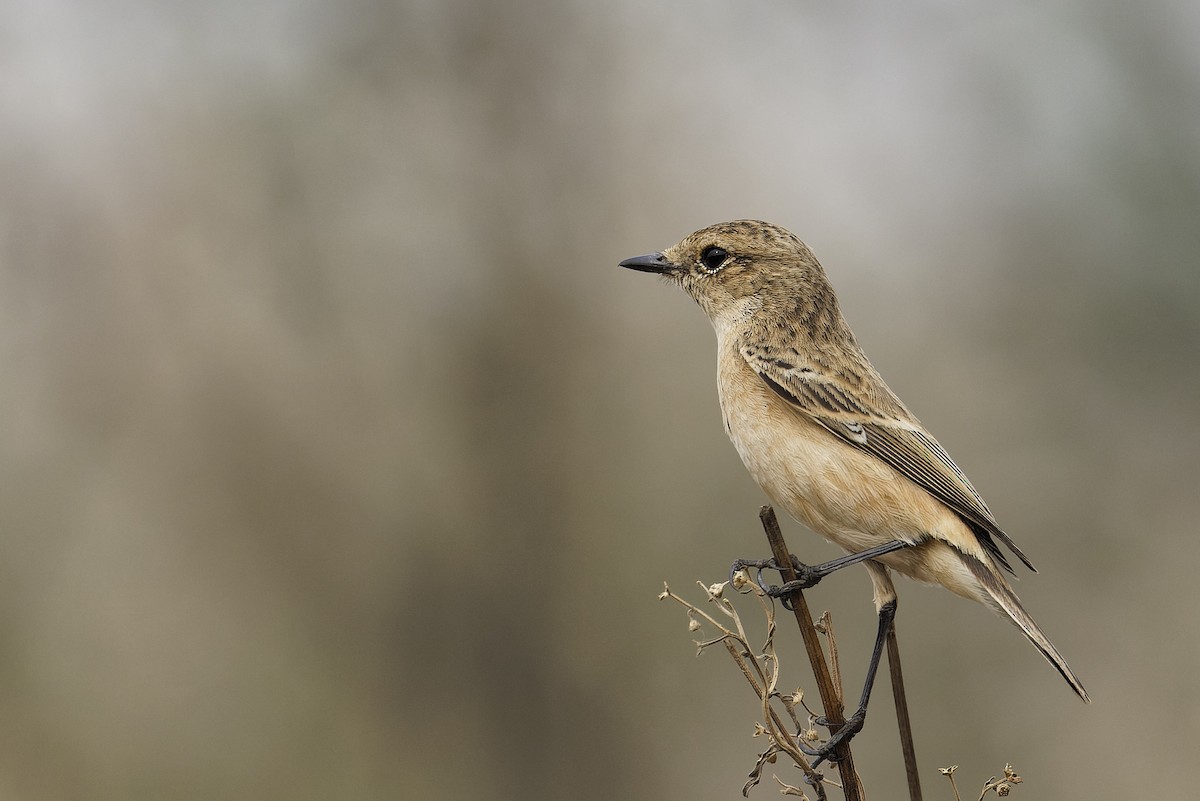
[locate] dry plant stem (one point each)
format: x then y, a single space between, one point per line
763 681
764 695
1001 786
949 774
830 700
902 719
764 692
825 626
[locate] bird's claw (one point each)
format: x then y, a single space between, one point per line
827 751
806 577
758 564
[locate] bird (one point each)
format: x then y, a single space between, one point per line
825 437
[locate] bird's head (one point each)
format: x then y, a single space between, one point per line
735 269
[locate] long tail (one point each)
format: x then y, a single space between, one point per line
1008 602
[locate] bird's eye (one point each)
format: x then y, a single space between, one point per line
713 257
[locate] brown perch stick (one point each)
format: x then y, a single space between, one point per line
816 656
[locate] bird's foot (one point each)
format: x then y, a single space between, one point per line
806 576
827 751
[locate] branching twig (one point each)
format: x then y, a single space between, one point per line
761 669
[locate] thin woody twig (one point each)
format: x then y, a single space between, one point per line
830 700
902 719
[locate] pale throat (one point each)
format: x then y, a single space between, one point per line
730 317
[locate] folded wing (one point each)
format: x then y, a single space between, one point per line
883 428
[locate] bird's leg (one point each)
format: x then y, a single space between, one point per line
808 575
854 723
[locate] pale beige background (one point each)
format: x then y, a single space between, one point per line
339 460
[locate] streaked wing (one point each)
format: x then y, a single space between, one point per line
884 429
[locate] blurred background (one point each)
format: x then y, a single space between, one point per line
339 459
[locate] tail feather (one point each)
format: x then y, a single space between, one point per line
1006 601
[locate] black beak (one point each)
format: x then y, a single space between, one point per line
650 263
